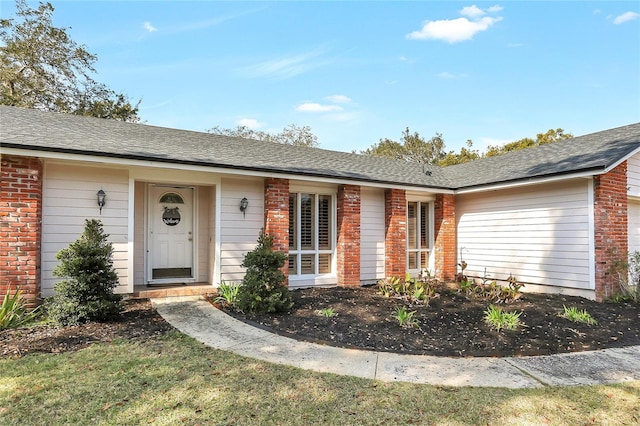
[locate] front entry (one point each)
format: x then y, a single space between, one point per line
170 240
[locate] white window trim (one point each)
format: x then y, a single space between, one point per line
311 278
431 212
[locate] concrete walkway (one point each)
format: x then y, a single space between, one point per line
198 318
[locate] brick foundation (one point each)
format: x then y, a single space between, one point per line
610 228
20 226
445 236
276 215
348 230
395 212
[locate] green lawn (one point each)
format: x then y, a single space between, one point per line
177 380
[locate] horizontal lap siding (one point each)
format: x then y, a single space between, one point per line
239 234
633 176
371 234
634 226
539 233
69 197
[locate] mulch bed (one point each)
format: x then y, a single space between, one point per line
139 321
452 325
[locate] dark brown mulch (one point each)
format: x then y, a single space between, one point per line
139 321
452 324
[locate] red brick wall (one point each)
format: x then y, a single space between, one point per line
445 236
610 226
348 229
20 226
276 214
395 209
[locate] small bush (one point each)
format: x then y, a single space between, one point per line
13 312
576 315
405 318
629 279
86 293
502 320
326 312
263 289
420 291
228 293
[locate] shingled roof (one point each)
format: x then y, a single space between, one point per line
593 153
63 133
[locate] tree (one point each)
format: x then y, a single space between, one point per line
412 147
290 135
465 155
86 293
41 67
550 136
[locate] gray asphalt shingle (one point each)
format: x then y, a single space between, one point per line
44 131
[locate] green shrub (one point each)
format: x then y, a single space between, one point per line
576 315
405 318
502 320
263 288
414 290
86 293
14 313
228 293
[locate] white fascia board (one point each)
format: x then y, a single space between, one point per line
528 182
125 162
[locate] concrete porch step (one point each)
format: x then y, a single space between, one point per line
170 290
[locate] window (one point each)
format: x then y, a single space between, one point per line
310 234
171 198
418 235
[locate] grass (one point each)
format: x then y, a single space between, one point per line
499 319
176 380
576 315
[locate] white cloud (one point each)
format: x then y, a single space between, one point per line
453 30
472 11
459 29
147 26
338 99
626 17
251 123
315 107
290 66
449 76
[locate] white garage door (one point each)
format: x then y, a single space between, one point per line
634 226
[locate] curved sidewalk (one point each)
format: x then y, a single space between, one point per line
199 319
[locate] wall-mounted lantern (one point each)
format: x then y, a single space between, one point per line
243 206
101 199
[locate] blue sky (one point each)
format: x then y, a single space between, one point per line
359 71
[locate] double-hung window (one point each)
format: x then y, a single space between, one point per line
311 229
419 239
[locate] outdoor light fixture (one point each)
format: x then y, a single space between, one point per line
243 205
101 196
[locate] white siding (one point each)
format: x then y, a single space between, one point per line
139 232
69 197
239 234
372 239
634 226
633 175
538 233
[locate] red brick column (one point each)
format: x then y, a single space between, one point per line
445 236
610 228
276 215
20 226
395 211
348 229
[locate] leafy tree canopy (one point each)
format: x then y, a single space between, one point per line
551 135
412 147
41 67
290 135
465 155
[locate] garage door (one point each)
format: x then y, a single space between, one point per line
634 226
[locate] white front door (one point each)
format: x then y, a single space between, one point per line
170 241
